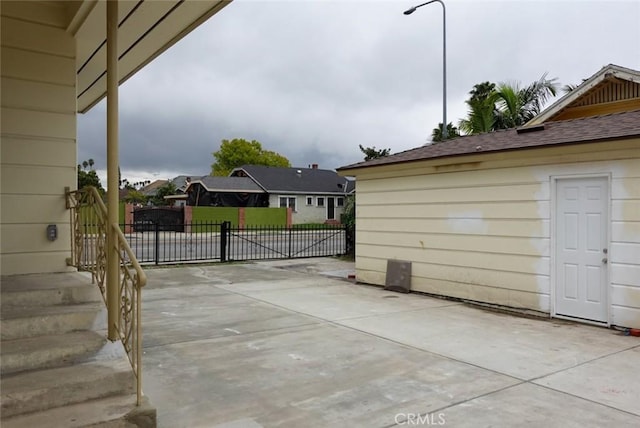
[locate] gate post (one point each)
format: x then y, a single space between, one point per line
224 234
290 243
157 243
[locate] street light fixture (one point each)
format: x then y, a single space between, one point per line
444 60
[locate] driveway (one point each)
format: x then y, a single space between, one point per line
295 344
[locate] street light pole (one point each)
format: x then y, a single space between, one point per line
444 60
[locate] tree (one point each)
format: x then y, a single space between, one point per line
481 116
516 106
89 177
373 153
349 213
237 152
134 196
482 109
452 132
167 189
506 105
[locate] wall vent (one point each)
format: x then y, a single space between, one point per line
398 276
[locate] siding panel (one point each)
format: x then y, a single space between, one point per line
485 210
461 260
28 95
21 180
500 245
26 209
38 123
48 13
457 195
38 152
512 228
625 210
29 238
37 38
38 67
626 275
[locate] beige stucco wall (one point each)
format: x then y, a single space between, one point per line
307 213
479 227
38 147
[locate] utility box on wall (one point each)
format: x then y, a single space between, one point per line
398 276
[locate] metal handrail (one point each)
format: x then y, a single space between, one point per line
122 240
88 252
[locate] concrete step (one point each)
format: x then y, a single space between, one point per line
30 321
47 290
39 390
35 353
111 412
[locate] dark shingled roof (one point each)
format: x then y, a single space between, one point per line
288 180
228 184
583 130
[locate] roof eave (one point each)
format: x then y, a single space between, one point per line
138 58
345 171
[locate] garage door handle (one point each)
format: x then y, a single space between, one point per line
605 260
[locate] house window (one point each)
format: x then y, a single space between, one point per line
320 201
309 200
288 202
340 202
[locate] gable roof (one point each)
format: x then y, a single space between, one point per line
575 131
294 180
612 89
151 189
227 184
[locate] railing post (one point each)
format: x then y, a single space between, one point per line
113 268
290 241
157 241
224 233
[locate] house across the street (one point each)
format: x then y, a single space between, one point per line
314 195
542 218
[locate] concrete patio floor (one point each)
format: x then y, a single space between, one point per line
294 344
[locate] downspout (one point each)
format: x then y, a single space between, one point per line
113 271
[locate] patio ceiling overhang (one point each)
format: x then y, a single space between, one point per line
146 28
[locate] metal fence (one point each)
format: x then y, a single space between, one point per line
152 243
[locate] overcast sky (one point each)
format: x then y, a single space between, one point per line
313 79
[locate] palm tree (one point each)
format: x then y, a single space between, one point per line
516 106
505 106
91 163
452 132
481 117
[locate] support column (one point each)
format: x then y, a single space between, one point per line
113 271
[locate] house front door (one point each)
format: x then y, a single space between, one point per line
331 208
581 248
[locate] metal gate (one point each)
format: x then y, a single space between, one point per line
282 242
202 241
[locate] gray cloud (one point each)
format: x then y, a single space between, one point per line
312 80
